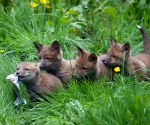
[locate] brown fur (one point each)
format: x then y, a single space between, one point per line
36 83
136 65
52 61
89 63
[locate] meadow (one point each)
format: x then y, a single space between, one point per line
89 25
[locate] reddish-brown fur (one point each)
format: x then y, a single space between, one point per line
89 63
36 83
52 61
119 54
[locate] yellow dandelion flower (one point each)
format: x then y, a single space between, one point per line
43 1
33 4
68 12
117 69
1 51
48 6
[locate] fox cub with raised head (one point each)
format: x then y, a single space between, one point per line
90 64
37 84
52 61
120 55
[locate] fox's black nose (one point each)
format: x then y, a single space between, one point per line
17 73
103 60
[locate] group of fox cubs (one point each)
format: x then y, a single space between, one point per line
60 70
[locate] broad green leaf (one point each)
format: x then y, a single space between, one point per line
76 25
111 10
64 19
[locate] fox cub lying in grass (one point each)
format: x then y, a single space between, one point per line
52 61
37 84
120 55
90 64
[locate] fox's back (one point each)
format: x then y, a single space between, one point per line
145 58
48 83
66 70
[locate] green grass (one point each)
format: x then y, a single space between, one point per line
89 26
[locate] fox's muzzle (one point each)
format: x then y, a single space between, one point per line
106 62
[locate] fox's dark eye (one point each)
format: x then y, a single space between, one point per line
17 68
26 69
76 65
84 68
113 56
39 57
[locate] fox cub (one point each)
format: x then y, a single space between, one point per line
52 61
120 55
89 64
36 83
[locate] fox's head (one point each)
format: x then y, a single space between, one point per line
27 71
117 53
85 63
49 56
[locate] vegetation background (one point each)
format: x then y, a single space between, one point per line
88 24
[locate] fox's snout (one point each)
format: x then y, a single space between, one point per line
21 76
20 73
106 61
77 75
43 65
17 73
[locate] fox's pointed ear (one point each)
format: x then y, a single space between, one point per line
55 46
38 46
125 47
80 51
112 41
92 58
